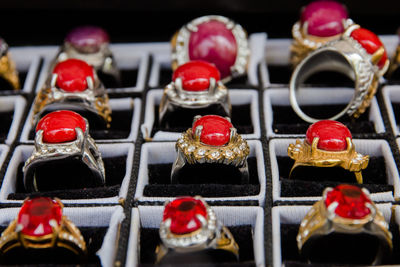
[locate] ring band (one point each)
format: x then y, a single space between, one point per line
348 211
58 143
190 225
8 70
50 228
349 57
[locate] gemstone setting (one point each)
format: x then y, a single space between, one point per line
332 135
195 75
215 130
72 75
87 39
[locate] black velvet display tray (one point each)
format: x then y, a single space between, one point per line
6 119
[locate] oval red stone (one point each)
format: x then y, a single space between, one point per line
196 74
215 43
216 130
332 135
351 201
87 39
182 212
38 215
324 18
371 43
59 126
72 74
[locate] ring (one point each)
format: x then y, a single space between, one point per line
8 70
90 44
328 144
212 139
359 54
395 62
73 84
188 226
62 137
343 219
321 22
214 39
40 224
195 85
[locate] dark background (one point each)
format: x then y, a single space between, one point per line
41 22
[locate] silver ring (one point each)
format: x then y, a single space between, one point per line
83 148
348 57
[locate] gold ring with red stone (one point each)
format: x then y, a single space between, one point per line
328 144
40 224
189 226
74 85
343 220
321 22
215 39
7 66
212 139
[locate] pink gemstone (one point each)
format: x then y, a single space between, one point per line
87 39
215 43
324 18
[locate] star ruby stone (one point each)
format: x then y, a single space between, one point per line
182 212
332 135
59 126
38 215
72 74
324 18
215 43
216 130
351 201
87 39
371 43
196 74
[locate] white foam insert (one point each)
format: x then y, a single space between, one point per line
115 104
164 152
23 152
391 95
237 97
109 217
294 215
278 147
17 104
151 216
309 96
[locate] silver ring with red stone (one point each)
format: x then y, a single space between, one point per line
73 84
320 22
195 85
359 54
62 135
190 225
346 212
212 139
215 39
90 44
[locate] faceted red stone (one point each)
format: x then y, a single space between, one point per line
72 74
59 126
214 43
38 215
371 43
182 212
196 74
87 39
332 135
324 18
216 130
351 201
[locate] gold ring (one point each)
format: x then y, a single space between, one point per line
7 66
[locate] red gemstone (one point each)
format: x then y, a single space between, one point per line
183 214
332 135
87 39
371 43
216 130
38 215
215 43
72 74
59 126
196 74
351 201
324 18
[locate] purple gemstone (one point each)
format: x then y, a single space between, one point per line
324 18
88 39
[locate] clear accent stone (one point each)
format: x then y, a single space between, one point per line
201 152
191 148
215 154
242 146
228 153
236 150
